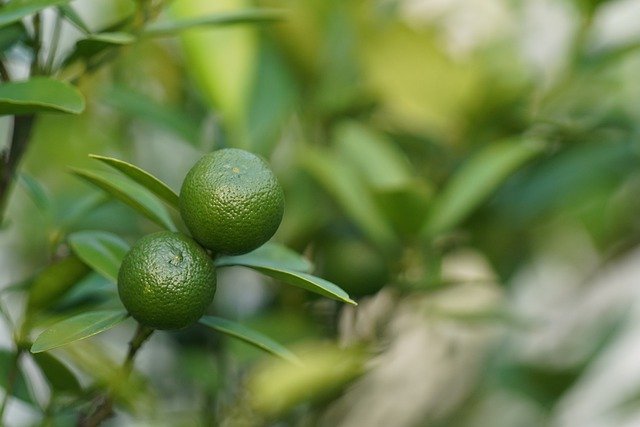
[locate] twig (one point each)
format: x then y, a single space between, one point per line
11 380
22 126
53 48
103 408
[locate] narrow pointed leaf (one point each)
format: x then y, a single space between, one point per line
55 281
40 94
143 107
475 181
308 282
36 191
57 374
143 178
72 16
100 250
20 389
343 184
269 255
77 328
170 28
249 336
129 193
18 9
97 43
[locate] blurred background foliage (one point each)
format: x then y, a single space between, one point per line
467 170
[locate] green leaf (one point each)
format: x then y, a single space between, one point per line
40 94
96 43
341 182
267 256
129 193
36 191
55 281
59 377
102 251
17 9
130 103
475 181
143 178
249 16
11 35
249 336
77 328
306 281
72 16
377 159
20 389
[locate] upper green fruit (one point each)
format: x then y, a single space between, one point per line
231 201
166 281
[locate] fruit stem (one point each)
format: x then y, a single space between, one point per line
103 408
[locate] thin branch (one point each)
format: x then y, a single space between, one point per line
103 407
4 73
11 381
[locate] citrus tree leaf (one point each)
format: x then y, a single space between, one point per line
55 281
96 43
40 94
248 16
341 182
77 328
59 377
143 178
475 181
72 16
11 34
266 256
129 193
145 108
100 250
249 336
306 281
19 389
378 160
36 191
17 9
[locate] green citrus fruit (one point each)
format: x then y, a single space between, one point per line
231 201
166 281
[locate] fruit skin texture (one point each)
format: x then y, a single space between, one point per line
166 280
231 201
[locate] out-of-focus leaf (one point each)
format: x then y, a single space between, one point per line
273 97
96 43
475 181
72 16
250 336
59 377
82 207
55 281
268 255
306 281
20 389
420 86
277 386
221 60
129 193
340 181
137 105
248 16
143 178
77 328
11 34
379 161
36 191
405 207
15 10
40 94
102 251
